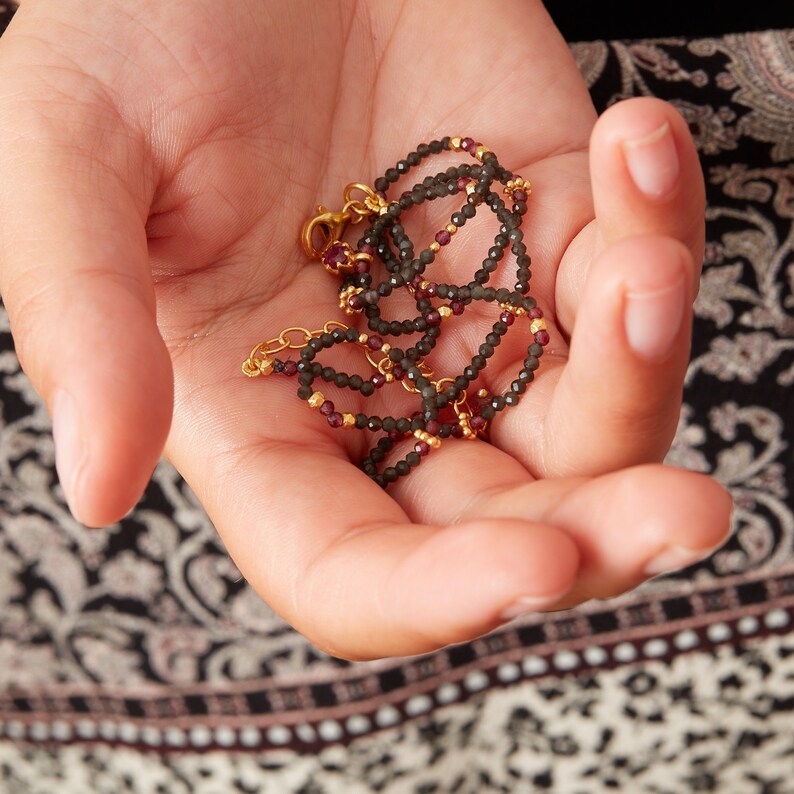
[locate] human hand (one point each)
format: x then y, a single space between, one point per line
158 164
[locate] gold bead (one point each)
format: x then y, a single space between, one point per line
362 339
389 377
435 247
538 324
385 348
316 400
454 143
348 420
423 285
266 367
480 152
470 187
519 311
482 393
445 312
451 228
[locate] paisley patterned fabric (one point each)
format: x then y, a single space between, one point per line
135 659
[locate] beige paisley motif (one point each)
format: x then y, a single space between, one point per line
590 57
763 66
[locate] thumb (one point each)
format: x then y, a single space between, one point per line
75 279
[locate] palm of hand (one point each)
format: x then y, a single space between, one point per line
248 132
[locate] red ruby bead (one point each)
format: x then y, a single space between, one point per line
542 338
366 248
462 182
433 427
519 195
477 422
374 342
335 419
456 431
327 408
290 368
378 380
398 372
508 318
421 448
433 318
354 302
443 237
535 314
467 144
335 255
457 307
361 266
430 291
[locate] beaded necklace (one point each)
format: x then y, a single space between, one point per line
447 409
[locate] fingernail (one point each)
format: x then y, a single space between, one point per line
526 604
673 558
653 162
70 453
653 320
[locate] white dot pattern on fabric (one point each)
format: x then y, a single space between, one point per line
565 660
508 672
175 737
200 736
278 734
152 736
748 625
305 732
357 724
418 704
225 736
655 648
776 619
330 730
624 652
387 715
595 655
534 665
719 632
447 693
250 736
475 680
685 640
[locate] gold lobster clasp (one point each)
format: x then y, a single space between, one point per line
331 227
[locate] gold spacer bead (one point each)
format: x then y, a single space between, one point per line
480 152
451 228
348 420
423 285
454 143
470 187
385 347
519 311
482 393
362 339
316 400
266 367
444 311
538 324
389 377
435 247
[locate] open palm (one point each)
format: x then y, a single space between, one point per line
162 161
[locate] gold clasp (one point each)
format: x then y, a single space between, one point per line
331 226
